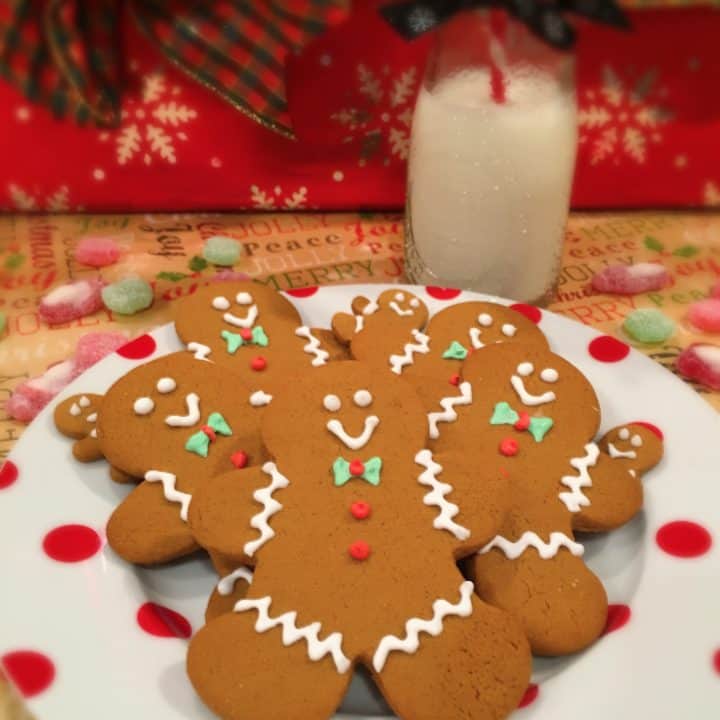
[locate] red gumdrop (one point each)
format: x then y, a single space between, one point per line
508 447
97 251
631 279
360 510
71 301
95 346
258 363
701 363
246 334
705 315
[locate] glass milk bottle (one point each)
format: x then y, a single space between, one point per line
491 160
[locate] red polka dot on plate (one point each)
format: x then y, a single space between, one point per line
617 617
440 293
652 428
303 292
30 671
139 348
716 661
8 474
71 543
529 311
530 695
608 349
161 621
683 539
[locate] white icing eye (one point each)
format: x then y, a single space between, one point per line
166 385
143 406
399 297
243 298
92 418
549 375
332 403
508 330
525 369
221 303
415 303
75 410
362 398
485 320
624 434
84 401
636 441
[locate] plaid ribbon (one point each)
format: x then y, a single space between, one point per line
65 54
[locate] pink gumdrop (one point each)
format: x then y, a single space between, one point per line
700 362
95 346
97 251
29 398
705 315
228 276
715 292
631 279
71 301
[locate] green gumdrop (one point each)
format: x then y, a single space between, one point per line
221 250
648 325
128 296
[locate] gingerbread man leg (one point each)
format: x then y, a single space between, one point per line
234 666
484 681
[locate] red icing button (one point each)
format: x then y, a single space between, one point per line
303 292
71 543
523 422
608 349
441 293
357 468
161 621
529 311
141 347
209 432
683 539
530 695
239 459
454 379
649 426
359 550
258 363
360 510
8 474
617 617
508 447
246 334
30 671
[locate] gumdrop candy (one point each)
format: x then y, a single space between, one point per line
700 362
648 325
97 251
71 301
715 291
127 296
631 279
30 397
705 315
95 346
229 276
221 250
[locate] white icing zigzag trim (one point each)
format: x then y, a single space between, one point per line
201 351
270 506
171 493
576 498
227 583
413 627
448 413
398 362
313 346
291 633
528 539
436 496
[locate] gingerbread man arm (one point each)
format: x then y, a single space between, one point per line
616 493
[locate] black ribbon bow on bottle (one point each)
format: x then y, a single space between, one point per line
544 17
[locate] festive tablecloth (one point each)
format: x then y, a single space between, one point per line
292 251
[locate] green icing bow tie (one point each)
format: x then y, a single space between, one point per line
199 442
455 351
538 427
370 471
236 340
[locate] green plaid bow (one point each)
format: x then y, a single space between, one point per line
199 442
505 415
371 473
235 340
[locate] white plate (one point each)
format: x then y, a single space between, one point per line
82 615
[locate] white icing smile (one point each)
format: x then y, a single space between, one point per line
242 298
518 384
615 453
394 306
192 402
354 442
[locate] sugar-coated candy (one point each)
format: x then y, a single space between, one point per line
30 397
705 315
71 301
127 296
648 325
715 291
221 250
97 251
700 362
631 279
95 346
229 276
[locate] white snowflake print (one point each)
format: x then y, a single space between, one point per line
35 200
623 117
421 18
711 194
276 199
379 116
151 124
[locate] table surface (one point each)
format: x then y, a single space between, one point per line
289 251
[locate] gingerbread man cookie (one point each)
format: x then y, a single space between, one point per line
354 531
76 418
533 417
174 422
